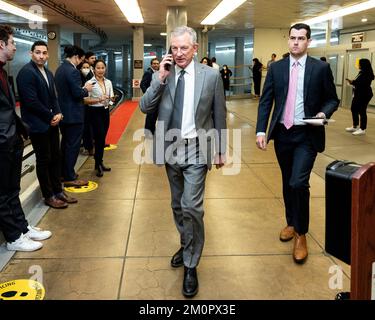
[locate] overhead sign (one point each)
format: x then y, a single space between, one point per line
358 37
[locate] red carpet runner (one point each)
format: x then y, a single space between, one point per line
119 120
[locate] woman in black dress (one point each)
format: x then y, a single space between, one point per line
257 76
225 75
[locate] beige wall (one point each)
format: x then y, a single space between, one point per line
268 41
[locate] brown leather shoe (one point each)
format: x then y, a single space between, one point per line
64 197
55 203
287 233
300 248
76 183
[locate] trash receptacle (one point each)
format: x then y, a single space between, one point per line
338 208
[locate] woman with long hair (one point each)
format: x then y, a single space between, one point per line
98 102
362 95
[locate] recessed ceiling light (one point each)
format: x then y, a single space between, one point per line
163 34
4 6
131 10
364 19
342 12
224 8
147 45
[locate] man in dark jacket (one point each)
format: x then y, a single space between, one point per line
145 83
17 232
70 97
41 112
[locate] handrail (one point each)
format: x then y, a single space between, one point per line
27 169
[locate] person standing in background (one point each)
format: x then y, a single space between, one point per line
70 98
41 112
19 235
257 76
226 73
98 102
145 83
362 95
214 64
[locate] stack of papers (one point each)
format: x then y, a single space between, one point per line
316 121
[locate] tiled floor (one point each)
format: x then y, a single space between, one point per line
116 243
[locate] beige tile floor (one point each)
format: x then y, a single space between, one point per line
116 243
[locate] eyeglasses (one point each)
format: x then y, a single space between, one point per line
292 38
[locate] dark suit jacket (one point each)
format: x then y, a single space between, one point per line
319 96
10 123
146 79
38 100
70 93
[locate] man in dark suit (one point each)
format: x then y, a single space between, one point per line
301 87
190 99
70 97
145 83
17 232
41 112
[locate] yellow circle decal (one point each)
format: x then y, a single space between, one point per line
90 187
111 147
22 289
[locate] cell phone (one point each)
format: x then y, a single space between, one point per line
168 66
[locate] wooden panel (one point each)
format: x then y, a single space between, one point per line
363 232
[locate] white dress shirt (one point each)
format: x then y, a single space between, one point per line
188 129
98 91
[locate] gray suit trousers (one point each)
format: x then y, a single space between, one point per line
187 184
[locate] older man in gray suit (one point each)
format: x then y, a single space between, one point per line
192 115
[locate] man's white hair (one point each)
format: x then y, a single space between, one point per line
179 31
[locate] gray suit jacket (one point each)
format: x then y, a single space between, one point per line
209 104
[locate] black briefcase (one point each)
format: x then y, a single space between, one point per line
339 208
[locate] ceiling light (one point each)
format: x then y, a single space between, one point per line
131 10
147 45
224 8
364 19
4 6
342 12
163 34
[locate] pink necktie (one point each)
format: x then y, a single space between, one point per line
291 98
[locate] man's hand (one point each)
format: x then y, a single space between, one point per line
321 115
56 119
163 73
89 86
261 142
219 160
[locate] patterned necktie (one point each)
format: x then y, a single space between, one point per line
291 98
178 102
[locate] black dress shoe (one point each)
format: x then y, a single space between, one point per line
190 284
99 171
178 259
104 168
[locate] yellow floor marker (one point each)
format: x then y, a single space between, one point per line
22 289
111 147
90 187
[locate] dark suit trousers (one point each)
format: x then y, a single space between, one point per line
48 160
296 155
87 137
99 121
151 119
12 217
70 144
